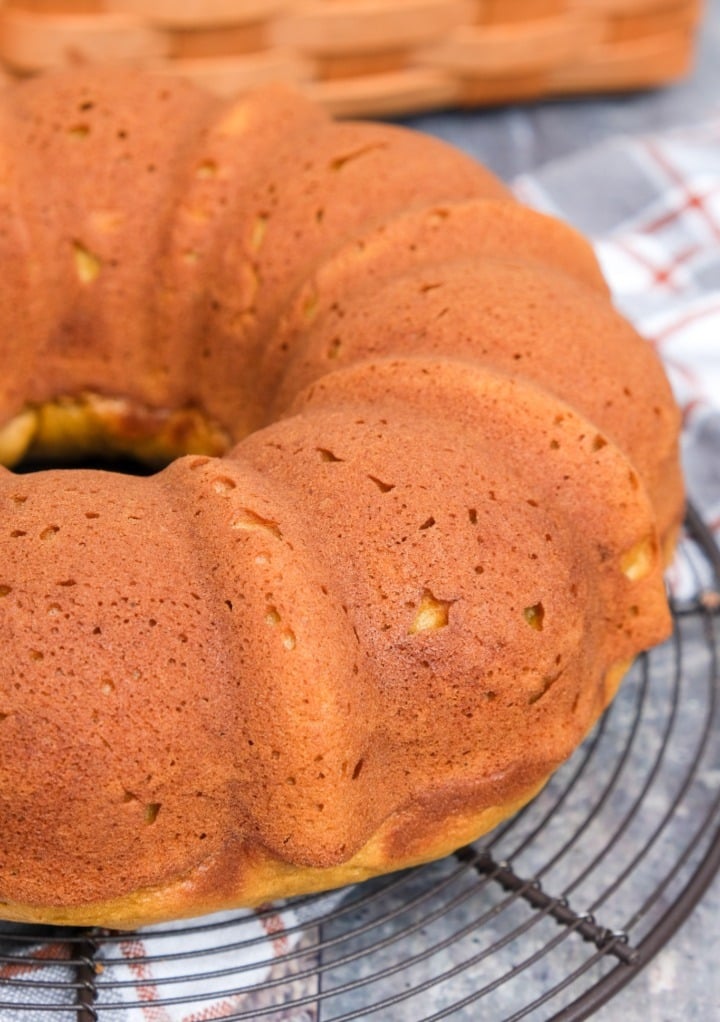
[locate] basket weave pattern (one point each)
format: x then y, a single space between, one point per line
366 56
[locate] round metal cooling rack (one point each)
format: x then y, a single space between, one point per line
546 919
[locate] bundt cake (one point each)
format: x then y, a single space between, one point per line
416 481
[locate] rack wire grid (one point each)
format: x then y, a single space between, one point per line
546 918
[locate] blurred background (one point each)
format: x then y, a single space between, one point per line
398 58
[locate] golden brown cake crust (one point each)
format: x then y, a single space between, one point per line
357 623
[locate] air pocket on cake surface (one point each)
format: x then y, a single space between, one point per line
431 614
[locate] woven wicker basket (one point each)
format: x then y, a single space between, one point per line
366 56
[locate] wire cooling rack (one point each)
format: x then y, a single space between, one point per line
544 920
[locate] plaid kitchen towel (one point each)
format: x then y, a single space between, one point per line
652 207
222 966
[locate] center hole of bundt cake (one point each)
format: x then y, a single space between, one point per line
124 464
111 433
